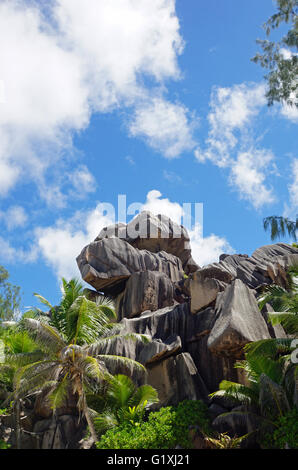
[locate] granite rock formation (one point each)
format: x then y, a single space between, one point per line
198 323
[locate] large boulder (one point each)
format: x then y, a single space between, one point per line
261 268
239 320
145 290
107 264
157 350
176 379
154 233
203 290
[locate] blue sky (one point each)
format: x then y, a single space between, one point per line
154 99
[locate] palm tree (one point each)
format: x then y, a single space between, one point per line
124 402
281 227
267 396
284 302
71 357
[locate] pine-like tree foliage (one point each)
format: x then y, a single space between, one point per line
283 68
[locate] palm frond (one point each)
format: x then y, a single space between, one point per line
236 392
32 377
255 366
92 368
107 306
46 336
22 359
85 321
145 393
99 346
280 227
105 420
268 347
43 300
120 390
59 393
115 362
71 290
288 320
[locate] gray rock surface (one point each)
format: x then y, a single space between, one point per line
154 233
238 321
176 379
203 291
253 271
108 263
158 350
145 290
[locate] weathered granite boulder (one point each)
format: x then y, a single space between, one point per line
108 263
60 433
203 291
145 290
193 330
239 320
157 350
154 233
258 269
176 379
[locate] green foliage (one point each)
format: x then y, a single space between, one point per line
283 69
284 302
280 227
3 411
224 441
124 402
4 445
165 429
69 355
9 296
285 436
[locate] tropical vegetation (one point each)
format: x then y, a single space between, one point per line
61 352
164 429
280 57
270 396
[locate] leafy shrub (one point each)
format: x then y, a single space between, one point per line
285 434
4 445
164 429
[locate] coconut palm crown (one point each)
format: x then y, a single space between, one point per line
71 340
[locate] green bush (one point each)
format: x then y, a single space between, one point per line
286 433
4 445
164 429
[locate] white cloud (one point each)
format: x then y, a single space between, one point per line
158 205
290 112
230 143
293 188
14 217
165 126
232 111
90 57
207 250
172 177
62 243
248 175
83 181
204 250
9 254
130 160
291 210
9 174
